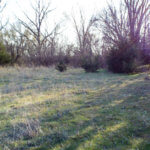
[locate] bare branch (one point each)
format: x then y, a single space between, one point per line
85 37
36 26
127 22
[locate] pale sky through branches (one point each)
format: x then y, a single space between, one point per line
62 7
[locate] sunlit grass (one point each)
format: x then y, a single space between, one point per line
116 127
41 108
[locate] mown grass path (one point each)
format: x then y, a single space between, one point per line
42 109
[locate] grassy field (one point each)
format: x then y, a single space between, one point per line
42 109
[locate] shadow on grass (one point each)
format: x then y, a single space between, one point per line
114 119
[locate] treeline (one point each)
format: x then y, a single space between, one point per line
118 38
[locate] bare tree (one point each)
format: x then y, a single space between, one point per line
86 39
127 22
138 11
2 6
15 43
36 27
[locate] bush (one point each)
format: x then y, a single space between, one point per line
91 64
4 56
123 58
61 66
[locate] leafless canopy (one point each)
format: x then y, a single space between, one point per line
85 38
2 6
36 27
127 22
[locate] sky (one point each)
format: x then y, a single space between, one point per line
14 6
62 8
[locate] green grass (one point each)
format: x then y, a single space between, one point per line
42 109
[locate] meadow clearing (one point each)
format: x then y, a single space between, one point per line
42 109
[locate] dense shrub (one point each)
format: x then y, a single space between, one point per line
122 59
4 56
61 66
91 63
